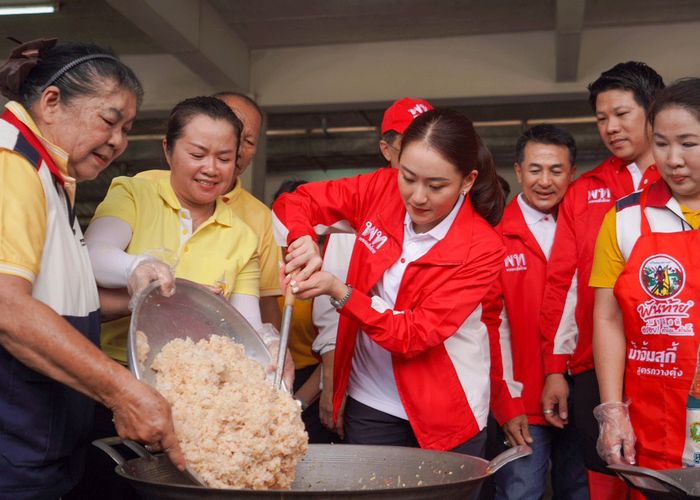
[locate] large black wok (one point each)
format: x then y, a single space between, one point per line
661 485
328 471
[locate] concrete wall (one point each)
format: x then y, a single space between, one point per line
518 64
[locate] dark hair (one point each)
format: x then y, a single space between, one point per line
634 76
683 93
237 95
452 135
390 136
288 186
83 79
546 134
185 110
505 187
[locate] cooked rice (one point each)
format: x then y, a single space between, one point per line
142 349
235 429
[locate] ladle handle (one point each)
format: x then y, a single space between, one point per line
287 314
507 457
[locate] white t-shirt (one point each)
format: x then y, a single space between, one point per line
372 381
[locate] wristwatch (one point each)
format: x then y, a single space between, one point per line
337 304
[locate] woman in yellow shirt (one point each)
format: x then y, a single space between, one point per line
182 214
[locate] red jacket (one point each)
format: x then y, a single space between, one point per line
566 319
438 342
521 288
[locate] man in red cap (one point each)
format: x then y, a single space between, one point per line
338 250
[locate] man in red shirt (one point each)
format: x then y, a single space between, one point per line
620 98
545 158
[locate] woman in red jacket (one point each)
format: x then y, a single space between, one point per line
412 352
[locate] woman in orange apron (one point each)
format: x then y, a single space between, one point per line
647 309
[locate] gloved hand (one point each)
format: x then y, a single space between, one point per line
616 433
154 265
271 338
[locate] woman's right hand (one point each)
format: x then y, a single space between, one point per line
616 439
141 413
304 257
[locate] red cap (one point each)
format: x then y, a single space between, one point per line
400 114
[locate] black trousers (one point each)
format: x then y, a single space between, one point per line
586 396
317 432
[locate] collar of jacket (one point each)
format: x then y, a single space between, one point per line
452 250
513 225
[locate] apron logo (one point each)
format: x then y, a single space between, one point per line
372 237
662 278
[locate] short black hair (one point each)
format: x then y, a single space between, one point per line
635 76
683 94
238 95
390 136
288 186
546 133
186 110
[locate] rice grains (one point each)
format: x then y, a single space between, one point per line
235 429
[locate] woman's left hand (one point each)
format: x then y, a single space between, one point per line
319 283
303 258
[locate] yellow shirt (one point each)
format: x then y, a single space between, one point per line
256 214
301 334
608 262
222 249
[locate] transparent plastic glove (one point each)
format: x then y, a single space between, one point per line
271 338
616 433
153 265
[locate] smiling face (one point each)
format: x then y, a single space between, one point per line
676 148
544 175
202 161
92 129
429 185
622 124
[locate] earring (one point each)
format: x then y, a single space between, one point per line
464 193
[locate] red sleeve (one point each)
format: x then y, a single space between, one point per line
505 404
320 207
557 317
440 314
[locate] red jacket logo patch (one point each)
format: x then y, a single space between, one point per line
600 195
515 262
372 237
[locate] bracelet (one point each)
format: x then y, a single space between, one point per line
302 403
337 304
